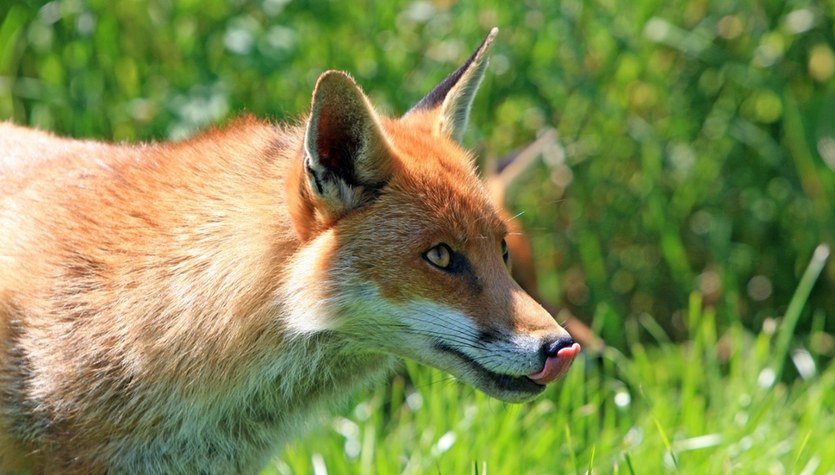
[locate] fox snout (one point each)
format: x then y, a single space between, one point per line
508 381
558 356
511 361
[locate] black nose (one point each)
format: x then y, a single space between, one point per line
552 347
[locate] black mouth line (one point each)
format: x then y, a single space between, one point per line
504 382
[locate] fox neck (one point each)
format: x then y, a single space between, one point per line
238 429
313 374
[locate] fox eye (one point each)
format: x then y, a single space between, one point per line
505 252
439 256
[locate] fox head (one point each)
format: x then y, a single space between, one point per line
403 251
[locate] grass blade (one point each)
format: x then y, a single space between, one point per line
796 304
666 441
629 463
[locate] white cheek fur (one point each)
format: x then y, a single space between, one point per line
310 289
510 354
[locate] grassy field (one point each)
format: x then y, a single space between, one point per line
686 214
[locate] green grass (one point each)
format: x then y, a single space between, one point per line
694 179
713 405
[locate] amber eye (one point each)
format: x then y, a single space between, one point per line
505 252
439 256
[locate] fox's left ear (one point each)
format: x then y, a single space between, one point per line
450 101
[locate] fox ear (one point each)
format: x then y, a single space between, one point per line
451 99
347 158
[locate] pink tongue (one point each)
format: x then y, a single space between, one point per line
556 366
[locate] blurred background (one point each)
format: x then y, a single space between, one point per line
696 139
692 180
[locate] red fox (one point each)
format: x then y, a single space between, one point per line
190 307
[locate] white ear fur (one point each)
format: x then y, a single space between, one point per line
453 97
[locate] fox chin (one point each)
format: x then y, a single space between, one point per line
190 307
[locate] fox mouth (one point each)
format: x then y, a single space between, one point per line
508 387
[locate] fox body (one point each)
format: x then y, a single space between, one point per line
190 307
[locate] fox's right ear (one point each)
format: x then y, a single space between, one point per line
347 157
450 101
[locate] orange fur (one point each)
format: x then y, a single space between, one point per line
191 307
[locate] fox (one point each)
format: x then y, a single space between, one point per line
192 307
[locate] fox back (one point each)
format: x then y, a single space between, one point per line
190 307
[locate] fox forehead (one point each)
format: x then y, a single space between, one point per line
439 178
